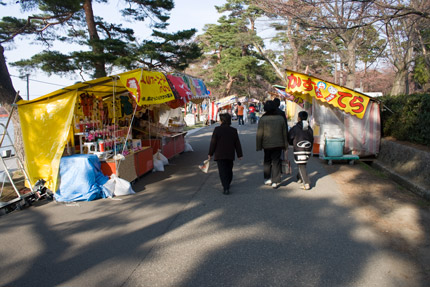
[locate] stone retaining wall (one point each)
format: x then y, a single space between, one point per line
406 164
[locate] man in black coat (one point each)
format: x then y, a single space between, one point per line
224 143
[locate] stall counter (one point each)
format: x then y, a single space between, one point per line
170 145
133 166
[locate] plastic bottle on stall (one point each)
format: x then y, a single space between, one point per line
101 145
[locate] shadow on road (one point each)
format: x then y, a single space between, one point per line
179 230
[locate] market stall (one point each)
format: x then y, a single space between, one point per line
336 112
163 128
98 118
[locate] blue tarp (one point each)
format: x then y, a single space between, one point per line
80 178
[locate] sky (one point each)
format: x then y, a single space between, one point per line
187 14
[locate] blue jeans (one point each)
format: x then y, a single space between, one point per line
240 119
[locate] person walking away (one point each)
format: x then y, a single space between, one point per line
240 109
272 138
245 114
280 112
224 143
252 116
301 136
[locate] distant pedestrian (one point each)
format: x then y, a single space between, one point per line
240 109
252 115
272 138
224 144
301 136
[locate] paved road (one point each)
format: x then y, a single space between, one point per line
179 230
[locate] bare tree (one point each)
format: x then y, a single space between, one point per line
340 20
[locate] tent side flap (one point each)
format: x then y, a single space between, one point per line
45 129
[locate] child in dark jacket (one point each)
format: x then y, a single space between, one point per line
224 144
302 138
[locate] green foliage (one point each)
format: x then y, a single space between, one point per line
409 119
173 50
233 65
104 45
421 73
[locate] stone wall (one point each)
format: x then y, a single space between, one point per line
409 165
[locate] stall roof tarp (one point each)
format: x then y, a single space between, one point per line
147 87
226 101
308 87
46 121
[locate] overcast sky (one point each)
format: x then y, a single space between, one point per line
187 14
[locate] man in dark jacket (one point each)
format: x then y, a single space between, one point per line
301 136
224 143
272 138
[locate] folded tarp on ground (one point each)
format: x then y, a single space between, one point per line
81 178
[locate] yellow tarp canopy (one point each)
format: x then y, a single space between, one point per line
46 121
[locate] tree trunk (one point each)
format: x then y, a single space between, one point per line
7 97
99 62
350 76
293 46
228 86
277 70
399 83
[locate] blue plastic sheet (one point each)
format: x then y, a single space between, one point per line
81 178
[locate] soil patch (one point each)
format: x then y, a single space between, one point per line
400 216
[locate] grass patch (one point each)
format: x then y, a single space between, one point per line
372 170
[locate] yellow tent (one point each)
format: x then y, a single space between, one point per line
46 122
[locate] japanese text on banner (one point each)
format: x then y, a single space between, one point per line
342 98
148 87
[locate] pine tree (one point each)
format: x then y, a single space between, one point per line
235 66
105 45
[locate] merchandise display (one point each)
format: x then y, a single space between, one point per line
111 117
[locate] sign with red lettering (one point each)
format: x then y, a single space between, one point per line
306 87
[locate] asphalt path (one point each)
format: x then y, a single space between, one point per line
180 230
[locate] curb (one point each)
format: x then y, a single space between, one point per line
403 181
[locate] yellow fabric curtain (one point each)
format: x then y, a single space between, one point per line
45 126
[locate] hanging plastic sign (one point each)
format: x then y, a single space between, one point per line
345 99
147 88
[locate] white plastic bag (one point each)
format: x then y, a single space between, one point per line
205 166
122 186
116 186
161 157
188 147
109 188
158 164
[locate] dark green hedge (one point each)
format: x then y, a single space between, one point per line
409 119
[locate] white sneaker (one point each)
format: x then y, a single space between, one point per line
275 185
268 182
306 186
